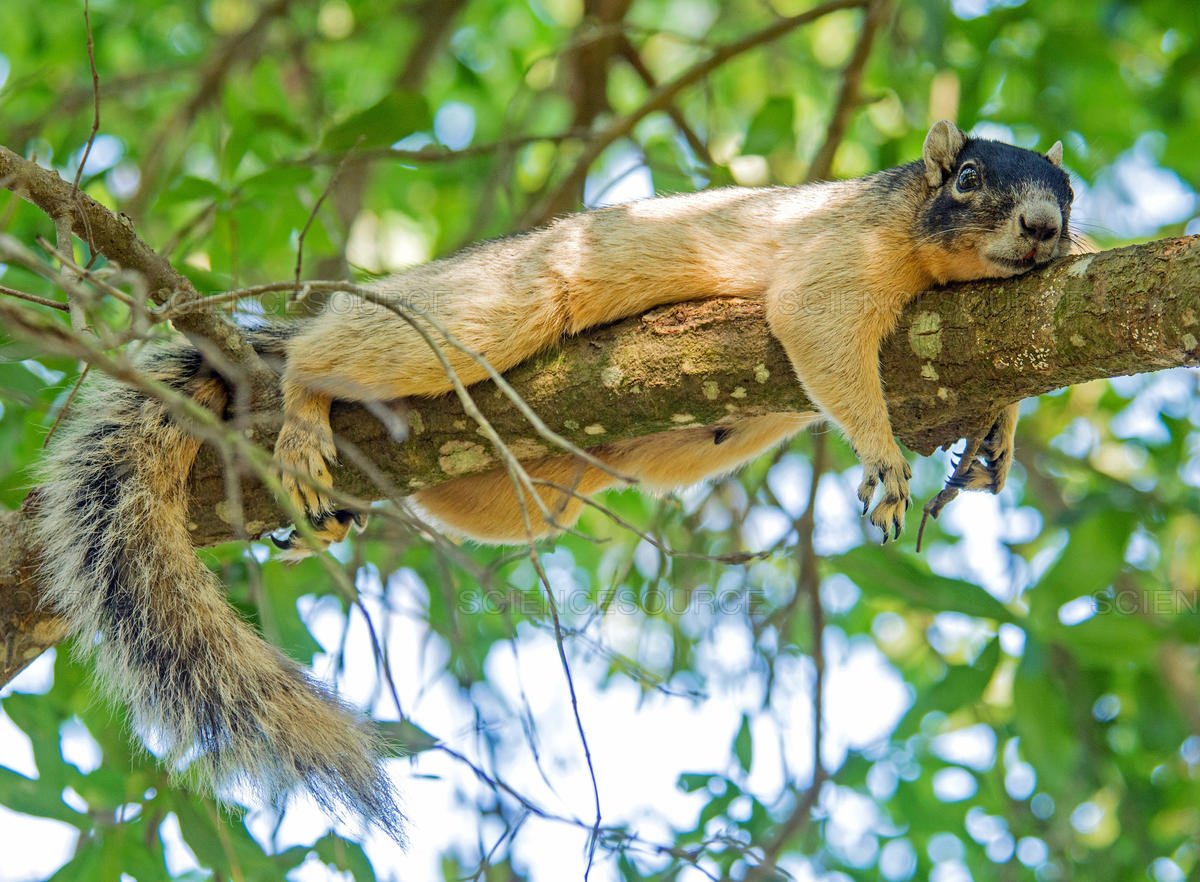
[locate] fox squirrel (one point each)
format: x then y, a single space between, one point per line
834 262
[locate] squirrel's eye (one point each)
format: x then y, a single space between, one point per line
968 178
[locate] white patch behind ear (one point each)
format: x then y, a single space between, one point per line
1054 154
941 148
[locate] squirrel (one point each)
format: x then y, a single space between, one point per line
834 263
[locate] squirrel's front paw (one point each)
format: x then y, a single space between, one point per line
888 515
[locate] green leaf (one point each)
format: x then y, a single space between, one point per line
39 718
1043 716
86 865
273 181
1110 639
33 797
690 782
771 127
189 188
743 746
199 831
395 116
337 852
963 685
888 574
1095 553
405 738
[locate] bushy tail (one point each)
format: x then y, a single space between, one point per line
206 691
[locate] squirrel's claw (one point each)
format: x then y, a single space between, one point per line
328 527
888 515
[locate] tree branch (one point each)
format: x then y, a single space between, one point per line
662 97
113 236
850 94
957 357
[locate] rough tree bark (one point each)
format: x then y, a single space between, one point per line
957 357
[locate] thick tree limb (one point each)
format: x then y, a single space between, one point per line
958 356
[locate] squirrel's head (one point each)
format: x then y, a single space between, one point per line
1005 206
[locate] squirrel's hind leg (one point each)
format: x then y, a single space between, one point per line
990 470
303 450
983 465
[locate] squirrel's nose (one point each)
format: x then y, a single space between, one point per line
1040 226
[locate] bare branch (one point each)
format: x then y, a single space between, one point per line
850 94
434 152
333 181
808 589
33 298
91 51
113 235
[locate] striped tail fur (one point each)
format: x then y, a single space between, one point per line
207 692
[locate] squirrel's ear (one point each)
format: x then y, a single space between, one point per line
1054 154
941 149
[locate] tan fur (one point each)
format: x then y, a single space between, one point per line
835 263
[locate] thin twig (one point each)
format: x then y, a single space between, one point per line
62 411
594 838
68 262
333 179
114 236
436 153
736 558
33 298
62 234
808 588
91 51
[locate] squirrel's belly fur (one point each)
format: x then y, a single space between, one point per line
834 263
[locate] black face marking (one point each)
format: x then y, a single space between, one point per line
721 435
987 180
1002 164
